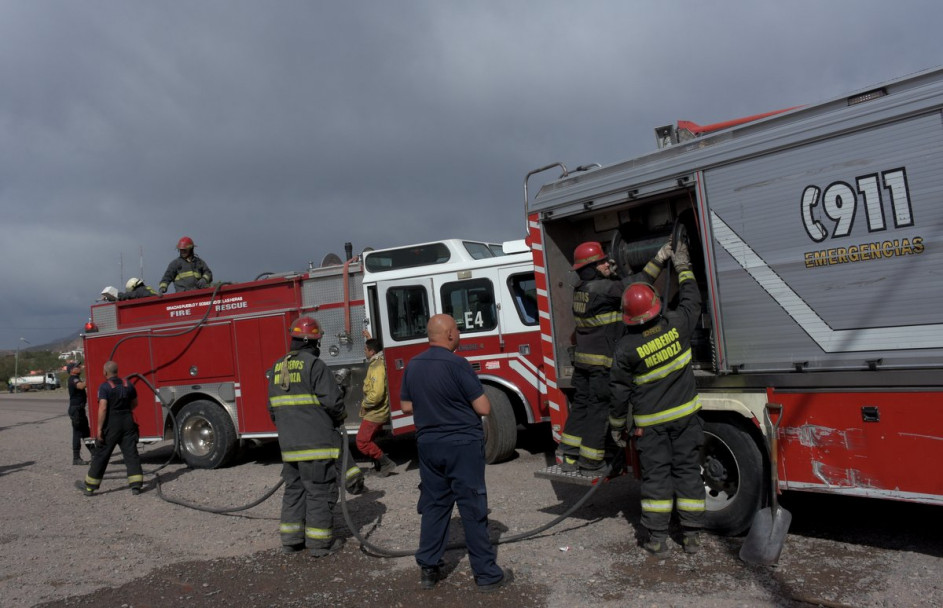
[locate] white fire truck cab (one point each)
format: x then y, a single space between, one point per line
490 291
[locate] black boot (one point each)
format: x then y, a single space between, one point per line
77 459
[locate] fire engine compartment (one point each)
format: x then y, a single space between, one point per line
631 233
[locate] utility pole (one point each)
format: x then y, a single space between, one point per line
16 366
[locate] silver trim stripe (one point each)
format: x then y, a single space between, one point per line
830 340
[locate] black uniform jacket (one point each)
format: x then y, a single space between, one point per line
597 315
307 412
651 370
187 274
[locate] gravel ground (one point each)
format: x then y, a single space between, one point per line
60 548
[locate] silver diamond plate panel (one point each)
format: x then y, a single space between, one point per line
321 290
105 317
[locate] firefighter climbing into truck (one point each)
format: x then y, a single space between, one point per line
652 374
597 300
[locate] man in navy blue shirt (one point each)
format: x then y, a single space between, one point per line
445 397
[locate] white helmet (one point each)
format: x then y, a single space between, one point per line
110 293
132 283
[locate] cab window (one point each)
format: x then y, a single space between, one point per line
471 304
478 251
408 311
523 289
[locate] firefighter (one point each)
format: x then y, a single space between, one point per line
375 408
77 401
597 301
117 399
653 385
307 406
188 271
135 288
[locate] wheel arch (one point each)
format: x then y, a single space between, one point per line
522 413
182 396
736 519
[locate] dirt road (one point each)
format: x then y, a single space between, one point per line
114 549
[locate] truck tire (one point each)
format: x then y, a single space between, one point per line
732 468
206 437
500 427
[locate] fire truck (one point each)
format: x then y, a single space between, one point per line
199 358
816 239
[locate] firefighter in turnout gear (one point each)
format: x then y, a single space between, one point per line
597 301
134 289
653 386
117 399
307 406
188 271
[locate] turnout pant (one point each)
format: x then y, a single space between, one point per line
584 435
120 431
308 503
366 436
454 472
80 428
669 455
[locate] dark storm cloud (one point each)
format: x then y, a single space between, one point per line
272 133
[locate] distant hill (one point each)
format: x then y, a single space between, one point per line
70 342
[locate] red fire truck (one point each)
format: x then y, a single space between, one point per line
205 352
814 237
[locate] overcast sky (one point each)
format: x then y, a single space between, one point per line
271 132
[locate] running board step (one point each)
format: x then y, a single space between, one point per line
554 473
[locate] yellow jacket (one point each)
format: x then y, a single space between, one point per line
376 399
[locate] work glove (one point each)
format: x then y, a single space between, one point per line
200 284
618 437
99 443
664 254
162 289
681 258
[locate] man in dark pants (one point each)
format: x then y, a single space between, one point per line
652 375
444 396
77 402
597 301
307 405
117 399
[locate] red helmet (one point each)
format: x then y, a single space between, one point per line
587 253
185 243
640 304
305 328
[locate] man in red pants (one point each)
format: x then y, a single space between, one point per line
375 409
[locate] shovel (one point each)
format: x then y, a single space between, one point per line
767 535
